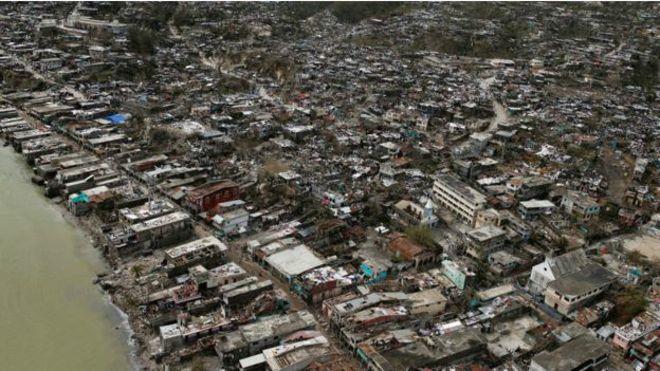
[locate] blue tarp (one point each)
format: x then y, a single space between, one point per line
116 118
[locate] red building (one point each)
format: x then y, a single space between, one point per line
209 195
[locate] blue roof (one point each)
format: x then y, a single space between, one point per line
116 118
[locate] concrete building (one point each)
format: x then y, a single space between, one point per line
584 352
164 230
556 267
580 205
209 195
484 240
208 251
572 291
533 208
459 198
457 274
294 261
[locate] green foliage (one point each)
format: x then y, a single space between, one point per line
421 235
142 41
374 214
304 9
628 304
645 72
345 11
356 11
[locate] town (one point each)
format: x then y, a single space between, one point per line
354 186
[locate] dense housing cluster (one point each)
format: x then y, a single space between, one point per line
343 186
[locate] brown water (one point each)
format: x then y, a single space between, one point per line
51 315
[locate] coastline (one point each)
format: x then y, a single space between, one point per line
86 231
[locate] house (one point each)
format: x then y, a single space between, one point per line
409 213
572 291
459 198
556 267
579 204
207 251
232 222
407 250
533 208
404 350
502 262
458 274
254 337
484 240
163 230
585 352
427 302
293 261
640 326
324 282
525 188
290 356
209 195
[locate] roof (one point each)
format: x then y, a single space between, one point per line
533 204
210 188
167 219
588 278
294 261
406 247
486 233
572 354
567 263
278 325
116 118
461 188
194 246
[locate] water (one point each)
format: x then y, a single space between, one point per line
51 315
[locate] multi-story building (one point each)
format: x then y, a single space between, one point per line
580 205
459 198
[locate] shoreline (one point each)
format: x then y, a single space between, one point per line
135 356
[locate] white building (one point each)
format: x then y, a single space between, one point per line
556 267
459 198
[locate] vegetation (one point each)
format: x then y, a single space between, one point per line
645 72
421 235
142 40
628 304
346 12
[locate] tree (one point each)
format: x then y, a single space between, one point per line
421 234
628 304
142 41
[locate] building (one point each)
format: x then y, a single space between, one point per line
324 282
218 276
484 240
252 338
207 251
409 213
291 262
533 208
585 352
405 350
405 249
149 210
525 188
572 291
640 326
427 302
163 230
556 267
293 356
232 222
459 275
459 198
580 205
208 196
